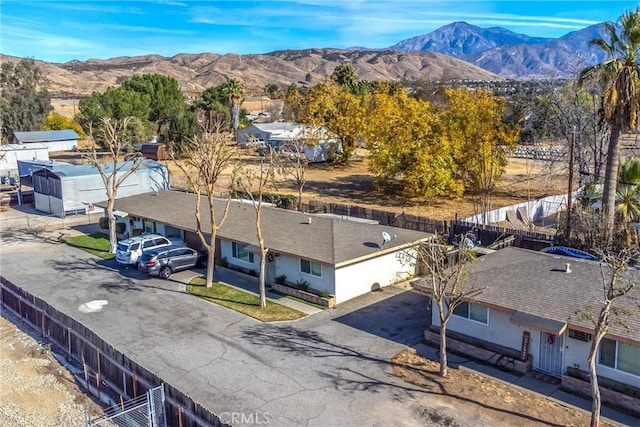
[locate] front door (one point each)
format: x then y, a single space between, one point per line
551 353
270 269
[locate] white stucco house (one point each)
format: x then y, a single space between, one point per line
345 258
54 140
531 304
61 189
317 143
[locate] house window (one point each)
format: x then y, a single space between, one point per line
311 268
579 335
471 311
240 253
620 356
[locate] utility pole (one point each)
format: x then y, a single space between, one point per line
570 190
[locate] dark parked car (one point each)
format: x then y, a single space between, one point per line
167 259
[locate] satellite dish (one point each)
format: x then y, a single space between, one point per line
386 237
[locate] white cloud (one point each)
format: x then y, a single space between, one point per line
45 46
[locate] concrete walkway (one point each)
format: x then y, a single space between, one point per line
533 382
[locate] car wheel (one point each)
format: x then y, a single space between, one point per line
165 272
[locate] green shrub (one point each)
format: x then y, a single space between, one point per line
121 227
325 293
224 262
303 285
284 201
104 222
280 280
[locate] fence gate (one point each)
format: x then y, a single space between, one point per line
143 411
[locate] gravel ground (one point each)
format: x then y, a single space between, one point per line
35 390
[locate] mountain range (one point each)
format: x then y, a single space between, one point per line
509 54
455 51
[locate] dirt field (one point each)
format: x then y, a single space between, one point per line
504 404
65 107
35 390
353 184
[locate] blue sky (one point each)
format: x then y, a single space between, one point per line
60 31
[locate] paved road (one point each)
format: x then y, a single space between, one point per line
329 369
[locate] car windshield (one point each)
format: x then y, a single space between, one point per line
123 247
147 257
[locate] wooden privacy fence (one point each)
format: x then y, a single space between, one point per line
488 234
403 220
106 371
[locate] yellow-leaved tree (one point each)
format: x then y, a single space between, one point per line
55 121
406 145
332 106
473 126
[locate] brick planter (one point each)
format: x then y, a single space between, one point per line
304 295
490 356
616 399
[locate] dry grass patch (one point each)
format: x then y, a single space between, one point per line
504 403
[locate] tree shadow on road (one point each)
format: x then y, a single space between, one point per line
305 343
120 279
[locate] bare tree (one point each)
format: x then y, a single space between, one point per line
113 135
618 283
293 163
446 282
253 184
205 158
574 115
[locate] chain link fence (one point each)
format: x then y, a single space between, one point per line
144 411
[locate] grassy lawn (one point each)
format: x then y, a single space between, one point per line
94 243
241 302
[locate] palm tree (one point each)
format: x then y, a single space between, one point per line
628 194
619 75
233 91
345 76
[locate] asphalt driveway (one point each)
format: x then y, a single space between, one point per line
329 369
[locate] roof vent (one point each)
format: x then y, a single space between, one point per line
309 220
567 268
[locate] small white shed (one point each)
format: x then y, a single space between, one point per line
54 140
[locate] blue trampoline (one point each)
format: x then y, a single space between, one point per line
572 252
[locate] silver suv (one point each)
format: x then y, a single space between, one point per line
130 250
165 260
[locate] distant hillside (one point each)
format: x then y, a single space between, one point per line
195 72
512 55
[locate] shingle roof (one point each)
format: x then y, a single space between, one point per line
333 241
537 283
45 136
